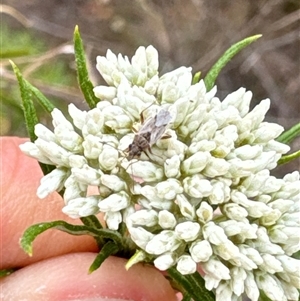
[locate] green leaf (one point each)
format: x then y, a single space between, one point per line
33 231
6 272
296 255
82 72
263 297
199 283
213 73
92 221
186 297
287 158
193 285
138 256
42 99
110 248
29 111
289 135
196 78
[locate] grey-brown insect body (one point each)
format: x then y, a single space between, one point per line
151 131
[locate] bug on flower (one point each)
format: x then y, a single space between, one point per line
151 131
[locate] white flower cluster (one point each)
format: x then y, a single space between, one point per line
200 197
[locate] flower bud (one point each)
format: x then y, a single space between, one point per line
228 251
117 119
113 219
168 189
113 182
216 268
239 99
270 264
200 250
185 206
165 261
220 192
195 163
251 288
165 241
115 202
57 154
31 149
73 189
197 187
186 265
81 207
143 217
51 182
68 139
216 167
59 119
44 133
166 219
204 212
94 123
172 167
77 161
140 236
251 253
267 131
214 234
187 231
105 93
87 175
145 170
175 148
269 285
234 211
108 158
77 115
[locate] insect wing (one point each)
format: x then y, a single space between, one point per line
162 118
156 134
148 126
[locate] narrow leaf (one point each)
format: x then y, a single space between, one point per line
33 231
196 77
42 99
29 111
92 221
296 255
287 158
262 296
139 256
110 248
186 297
6 272
191 285
199 284
289 135
30 115
213 73
85 84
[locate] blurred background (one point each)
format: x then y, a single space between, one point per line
37 36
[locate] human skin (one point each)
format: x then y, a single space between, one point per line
58 269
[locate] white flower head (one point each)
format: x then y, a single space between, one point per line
187 173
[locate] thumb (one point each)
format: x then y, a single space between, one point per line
65 278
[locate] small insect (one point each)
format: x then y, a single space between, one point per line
151 131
